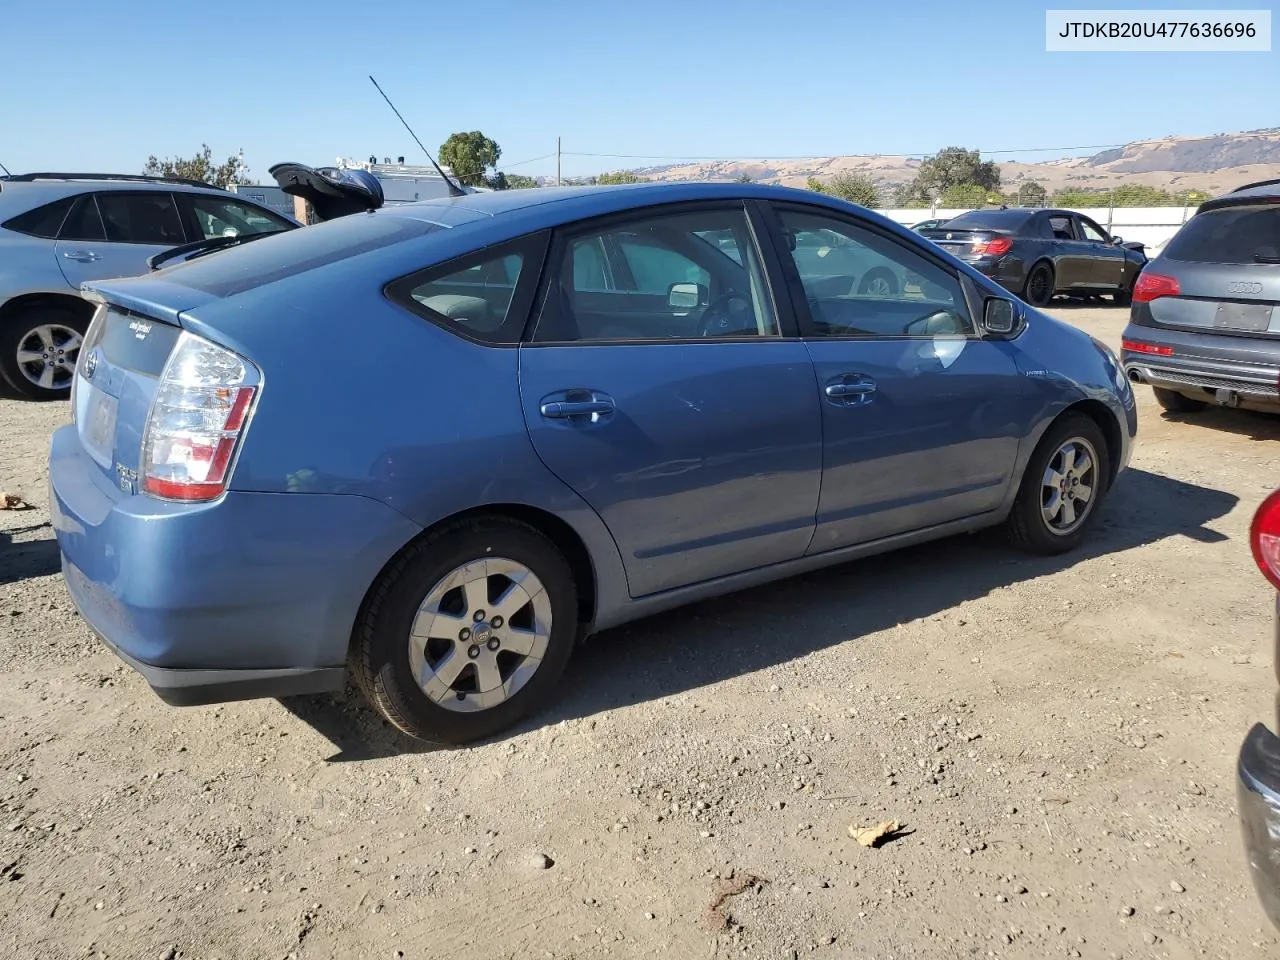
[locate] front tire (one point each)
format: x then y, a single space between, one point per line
1175 402
1063 488
39 347
1038 289
468 631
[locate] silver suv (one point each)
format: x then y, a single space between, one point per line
1204 327
58 230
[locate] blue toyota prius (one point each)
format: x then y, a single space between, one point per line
436 445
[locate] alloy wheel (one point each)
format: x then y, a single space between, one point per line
1068 485
47 355
480 634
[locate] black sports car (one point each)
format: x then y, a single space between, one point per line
1038 253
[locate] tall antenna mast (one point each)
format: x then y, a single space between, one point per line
454 189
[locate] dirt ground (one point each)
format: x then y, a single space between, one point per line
1056 737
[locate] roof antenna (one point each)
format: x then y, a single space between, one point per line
454 189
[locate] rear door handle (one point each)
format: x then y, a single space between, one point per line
83 256
577 403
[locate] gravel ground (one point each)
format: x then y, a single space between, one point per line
1056 737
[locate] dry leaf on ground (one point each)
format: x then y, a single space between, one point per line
871 836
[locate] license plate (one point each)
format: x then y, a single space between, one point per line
100 425
1245 317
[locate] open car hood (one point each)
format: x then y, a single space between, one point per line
332 192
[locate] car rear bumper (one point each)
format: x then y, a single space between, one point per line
1009 271
1258 800
254 595
1212 368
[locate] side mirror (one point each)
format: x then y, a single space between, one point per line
686 296
1118 241
999 316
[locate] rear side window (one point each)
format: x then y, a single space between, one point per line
482 296
1243 234
43 221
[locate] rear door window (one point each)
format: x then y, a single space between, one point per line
141 218
1244 234
84 222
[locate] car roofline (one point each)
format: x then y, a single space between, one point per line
106 178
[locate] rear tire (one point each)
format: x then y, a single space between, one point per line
410 629
1046 517
1038 289
1175 402
39 347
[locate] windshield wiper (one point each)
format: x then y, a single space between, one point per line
198 248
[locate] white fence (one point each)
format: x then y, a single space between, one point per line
1153 226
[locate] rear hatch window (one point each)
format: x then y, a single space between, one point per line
1243 234
243 268
120 364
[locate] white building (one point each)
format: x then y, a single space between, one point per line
405 182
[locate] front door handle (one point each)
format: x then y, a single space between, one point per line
82 256
577 403
851 388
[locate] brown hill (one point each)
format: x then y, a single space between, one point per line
1214 164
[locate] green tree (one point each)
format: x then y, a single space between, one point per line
1081 199
1031 194
200 167
743 178
951 167
514 181
965 195
853 187
620 176
470 156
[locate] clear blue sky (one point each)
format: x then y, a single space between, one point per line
101 85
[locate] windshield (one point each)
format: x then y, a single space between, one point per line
989 220
1244 234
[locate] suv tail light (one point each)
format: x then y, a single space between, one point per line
1137 346
1264 538
995 248
1152 286
196 421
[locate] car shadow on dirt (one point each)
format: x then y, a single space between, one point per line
1253 424
715 640
23 559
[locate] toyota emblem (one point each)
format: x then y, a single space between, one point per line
90 363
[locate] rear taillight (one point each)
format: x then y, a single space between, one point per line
993 248
92 337
1137 346
196 422
1264 538
1152 286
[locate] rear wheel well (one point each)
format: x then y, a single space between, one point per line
548 524
34 301
1101 414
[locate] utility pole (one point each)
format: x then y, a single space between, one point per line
557 161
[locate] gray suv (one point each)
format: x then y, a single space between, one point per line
1204 325
60 229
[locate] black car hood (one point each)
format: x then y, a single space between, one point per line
332 192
